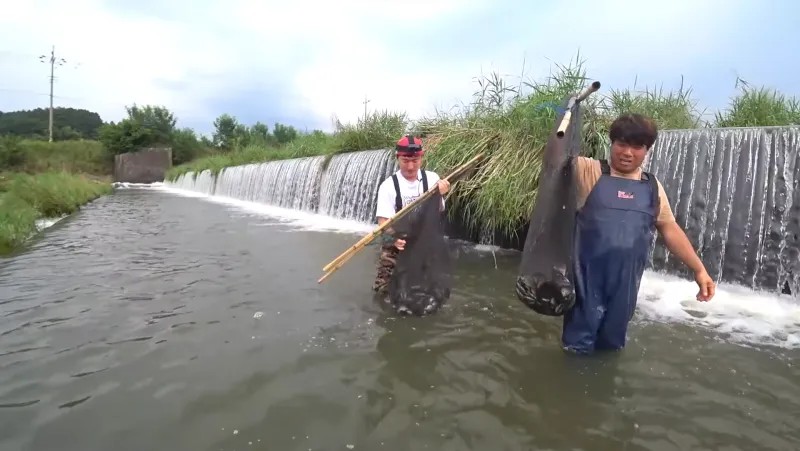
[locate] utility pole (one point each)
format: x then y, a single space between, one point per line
53 61
365 102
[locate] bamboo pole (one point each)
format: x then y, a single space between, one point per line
572 101
339 261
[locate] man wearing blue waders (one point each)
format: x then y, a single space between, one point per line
619 209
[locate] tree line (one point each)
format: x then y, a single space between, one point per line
144 126
68 123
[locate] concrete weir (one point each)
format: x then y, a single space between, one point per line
144 166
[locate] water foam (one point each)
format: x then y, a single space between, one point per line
128 185
46 223
736 313
299 220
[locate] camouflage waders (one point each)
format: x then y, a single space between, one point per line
386 262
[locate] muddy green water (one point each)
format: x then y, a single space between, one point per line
134 325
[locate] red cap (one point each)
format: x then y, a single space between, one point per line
409 146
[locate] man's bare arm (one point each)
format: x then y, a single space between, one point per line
678 243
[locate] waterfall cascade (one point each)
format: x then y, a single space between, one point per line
345 186
736 193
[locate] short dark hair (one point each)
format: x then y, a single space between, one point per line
634 129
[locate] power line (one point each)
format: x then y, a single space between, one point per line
29 91
13 55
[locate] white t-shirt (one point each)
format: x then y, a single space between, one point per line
409 191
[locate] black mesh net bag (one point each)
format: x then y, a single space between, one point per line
422 276
544 283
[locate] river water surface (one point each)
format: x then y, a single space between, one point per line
152 320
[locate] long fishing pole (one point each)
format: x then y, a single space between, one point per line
337 262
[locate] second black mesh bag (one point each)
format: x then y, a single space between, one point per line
545 280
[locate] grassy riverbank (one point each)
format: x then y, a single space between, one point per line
33 156
26 198
46 180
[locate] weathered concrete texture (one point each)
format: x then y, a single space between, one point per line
145 166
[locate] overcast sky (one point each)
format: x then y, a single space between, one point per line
301 62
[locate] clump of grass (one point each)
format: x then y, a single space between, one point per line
305 146
218 161
671 110
513 124
759 107
312 144
379 129
74 156
26 198
17 222
53 194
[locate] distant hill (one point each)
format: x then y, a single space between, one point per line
68 123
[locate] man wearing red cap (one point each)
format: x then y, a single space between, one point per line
397 191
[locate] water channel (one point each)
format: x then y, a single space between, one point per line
155 319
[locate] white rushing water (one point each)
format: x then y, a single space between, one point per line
300 220
735 193
736 313
345 187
